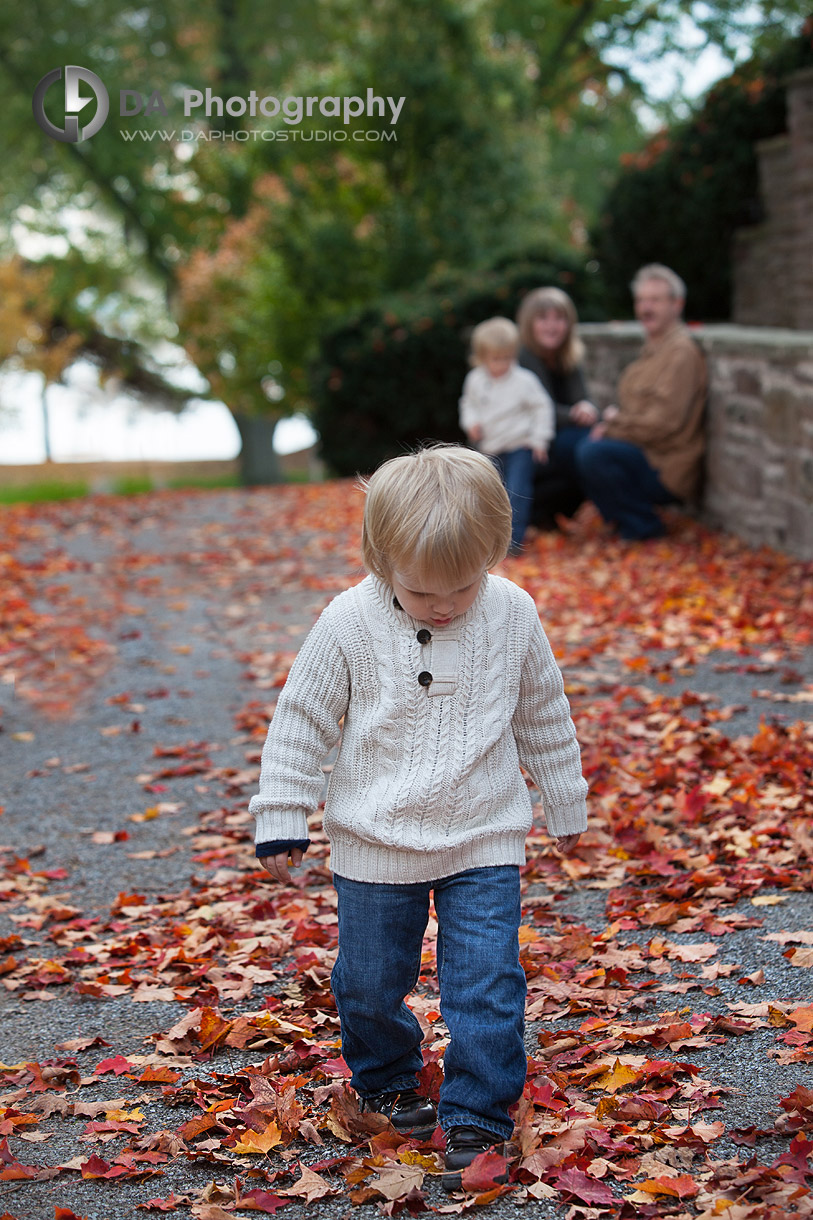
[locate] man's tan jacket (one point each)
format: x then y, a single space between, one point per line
661 399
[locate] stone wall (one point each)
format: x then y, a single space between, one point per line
773 261
759 462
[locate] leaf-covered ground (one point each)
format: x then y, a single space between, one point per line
170 1043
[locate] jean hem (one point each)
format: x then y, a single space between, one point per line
392 1087
476 1120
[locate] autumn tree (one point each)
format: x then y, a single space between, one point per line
29 339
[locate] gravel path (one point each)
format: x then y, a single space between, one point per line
190 589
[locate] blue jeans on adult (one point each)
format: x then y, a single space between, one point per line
623 485
482 990
516 468
562 454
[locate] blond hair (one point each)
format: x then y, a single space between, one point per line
658 271
494 337
440 513
542 301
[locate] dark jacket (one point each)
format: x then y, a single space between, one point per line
565 389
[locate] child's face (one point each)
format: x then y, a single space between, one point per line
550 329
497 364
435 603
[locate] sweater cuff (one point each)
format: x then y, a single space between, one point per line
277 846
566 820
278 825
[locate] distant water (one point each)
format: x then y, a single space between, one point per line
87 425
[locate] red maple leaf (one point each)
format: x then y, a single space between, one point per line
583 1186
486 1171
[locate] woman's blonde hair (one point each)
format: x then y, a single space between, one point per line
440 513
542 301
494 337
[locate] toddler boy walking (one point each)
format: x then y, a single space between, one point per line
446 683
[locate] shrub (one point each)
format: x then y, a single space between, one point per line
390 378
680 200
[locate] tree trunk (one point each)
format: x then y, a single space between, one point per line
259 461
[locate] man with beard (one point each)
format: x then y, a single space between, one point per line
648 449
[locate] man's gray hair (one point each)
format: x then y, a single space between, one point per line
657 271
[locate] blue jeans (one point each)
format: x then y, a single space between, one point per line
516 469
562 452
619 480
482 990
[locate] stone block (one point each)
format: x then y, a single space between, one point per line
800 528
744 474
748 381
778 414
741 411
774 474
804 462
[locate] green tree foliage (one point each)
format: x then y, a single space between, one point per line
333 228
681 199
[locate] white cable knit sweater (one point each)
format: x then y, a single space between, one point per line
427 781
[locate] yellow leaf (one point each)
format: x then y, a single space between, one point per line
411 1156
616 1078
717 786
147 815
259 1141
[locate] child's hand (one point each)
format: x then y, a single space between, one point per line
566 843
475 433
277 866
540 455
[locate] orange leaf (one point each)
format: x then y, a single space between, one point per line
683 1187
213 1029
802 1018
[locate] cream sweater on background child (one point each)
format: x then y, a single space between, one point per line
514 411
427 781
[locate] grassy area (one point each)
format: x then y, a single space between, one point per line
37 492
128 486
225 480
132 485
